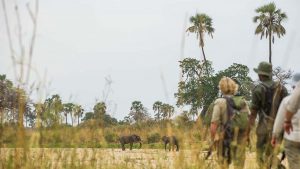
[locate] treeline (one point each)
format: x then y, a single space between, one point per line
196 91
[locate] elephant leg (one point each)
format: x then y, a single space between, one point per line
177 147
165 146
123 146
131 144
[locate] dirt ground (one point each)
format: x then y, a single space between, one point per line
115 158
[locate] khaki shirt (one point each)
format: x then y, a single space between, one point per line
220 110
293 104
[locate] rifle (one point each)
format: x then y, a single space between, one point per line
211 148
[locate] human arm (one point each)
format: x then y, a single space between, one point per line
213 130
292 106
294 103
215 120
279 122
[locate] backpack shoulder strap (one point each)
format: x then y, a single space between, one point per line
230 106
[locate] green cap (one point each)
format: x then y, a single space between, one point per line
264 68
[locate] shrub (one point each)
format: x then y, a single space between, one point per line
153 138
110 137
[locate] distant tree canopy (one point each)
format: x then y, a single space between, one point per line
100 116
200 88
138 113
162 111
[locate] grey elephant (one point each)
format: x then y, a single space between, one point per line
172 141
130 140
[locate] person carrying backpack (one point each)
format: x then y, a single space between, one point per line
266 98
291 139
229 125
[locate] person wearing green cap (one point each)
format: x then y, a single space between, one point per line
266 98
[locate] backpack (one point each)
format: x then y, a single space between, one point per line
236 124
235 117
268 100
273 96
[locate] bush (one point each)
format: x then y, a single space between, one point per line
110 137
153 138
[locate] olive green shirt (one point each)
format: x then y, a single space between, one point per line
258 96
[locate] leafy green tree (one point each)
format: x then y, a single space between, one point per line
198 90
201 24
240 73
157 108
138 112
88 116
196 87
269 23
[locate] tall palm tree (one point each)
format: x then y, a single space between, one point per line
99 110
157 108
68 109
78 112
202 24
269 22
167 111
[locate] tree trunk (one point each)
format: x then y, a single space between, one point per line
72 119
78 121
202 48
270 47
203 53
66 119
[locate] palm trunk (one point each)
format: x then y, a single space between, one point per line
66 119
270 47
203 53
78 121
202 48
72 118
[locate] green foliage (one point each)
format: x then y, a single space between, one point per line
240 73
202 23
138 113
196 86
111 137
157 110
88 116
199 89
269 23
153 138
269 19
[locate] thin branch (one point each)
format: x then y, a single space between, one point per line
21 45
12 52
33 37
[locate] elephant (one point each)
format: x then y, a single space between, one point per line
130 140
172 141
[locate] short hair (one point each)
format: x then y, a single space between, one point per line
228 86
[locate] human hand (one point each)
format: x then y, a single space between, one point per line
273 142
288 127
